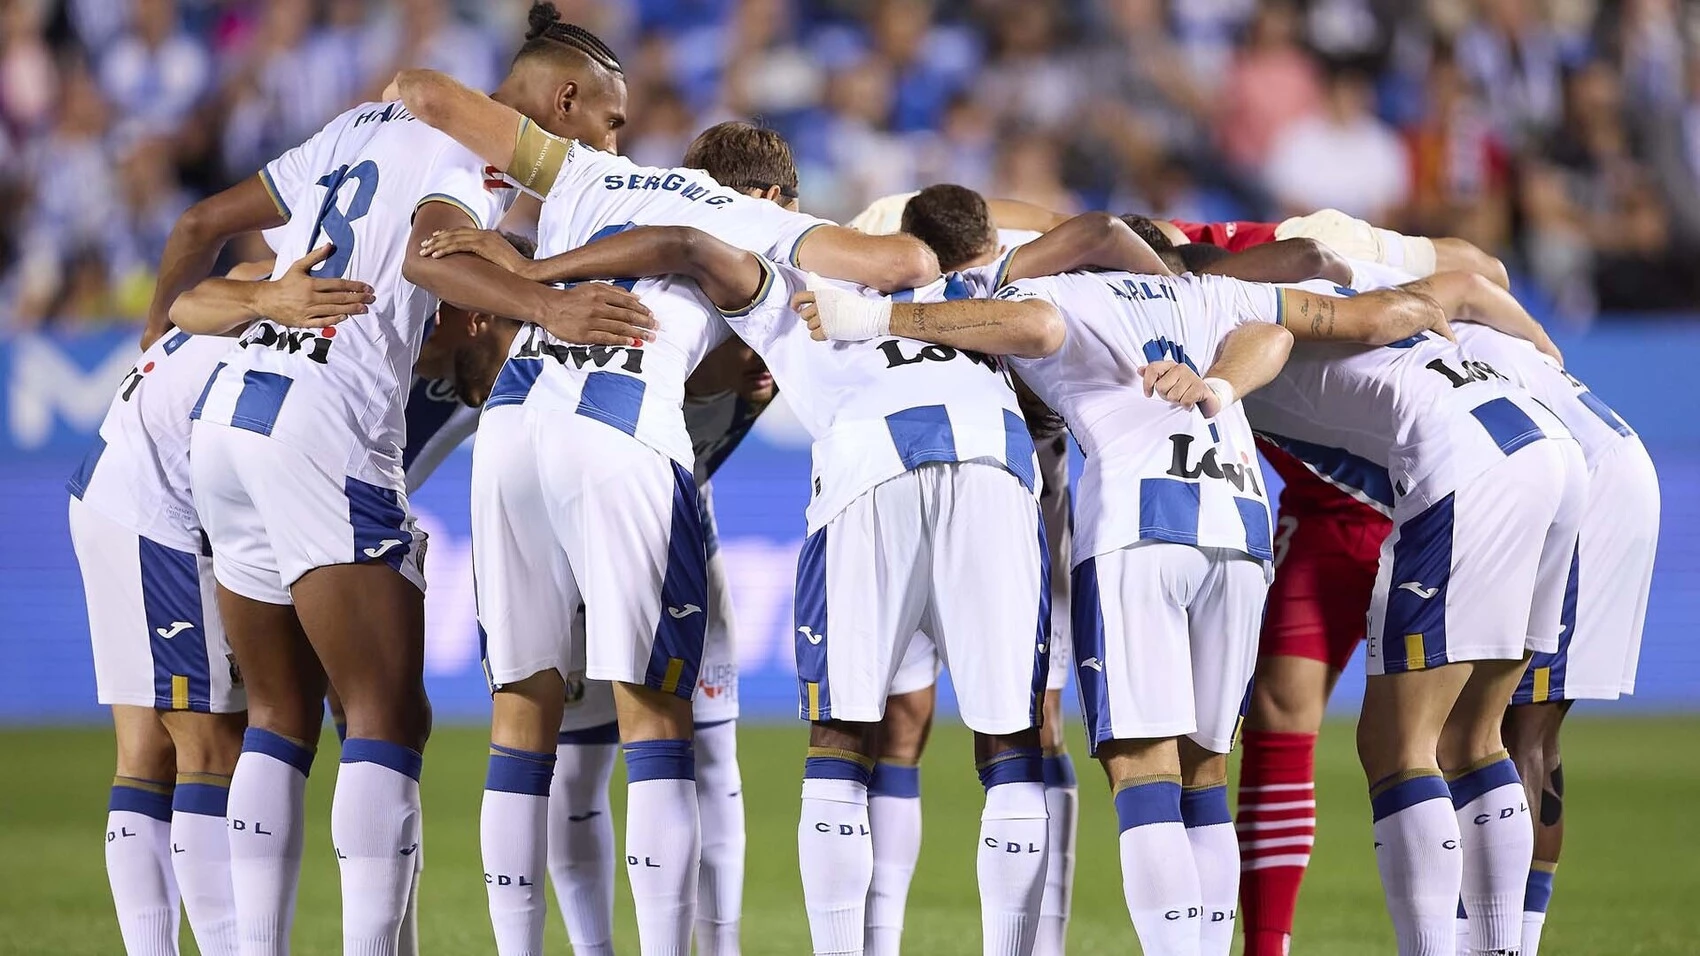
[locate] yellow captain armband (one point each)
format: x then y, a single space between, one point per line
538 157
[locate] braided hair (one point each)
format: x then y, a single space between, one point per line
545 29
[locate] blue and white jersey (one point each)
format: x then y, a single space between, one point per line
1154 471
338 393
639 390
137 472
1405 423
437 422
881 407
1591 421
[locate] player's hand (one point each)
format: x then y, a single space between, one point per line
839 315
1174 382
483 243
1548 348
300 301
596 313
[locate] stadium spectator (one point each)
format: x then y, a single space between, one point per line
156 73
1342 158
1271 83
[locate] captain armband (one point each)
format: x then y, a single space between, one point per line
538 157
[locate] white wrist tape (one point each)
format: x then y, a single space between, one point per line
848 317
1224 391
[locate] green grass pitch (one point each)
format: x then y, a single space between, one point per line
1629 883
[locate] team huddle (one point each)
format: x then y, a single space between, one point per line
1452 496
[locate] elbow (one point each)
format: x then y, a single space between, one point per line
418 270
1326 263
683 249
1041 330
419 95
909 267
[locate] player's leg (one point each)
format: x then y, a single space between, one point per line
1062 804
991 619
138 847
138 834
1531 734
1131 649
207 746
720 785
526 598
1224 619
845 585
894 794
1313 622
581 823
635 542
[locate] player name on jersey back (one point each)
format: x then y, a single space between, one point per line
338 393
137 472
1154 470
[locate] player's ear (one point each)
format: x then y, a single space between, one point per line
566 96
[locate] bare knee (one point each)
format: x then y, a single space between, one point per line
844 736
908 721
145 750
1201 767
206 743
401 717
1289 695
1130 761
645 713
526 714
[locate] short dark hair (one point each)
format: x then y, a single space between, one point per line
742 156
521 244
1147 230
1198 256
953 221
545 33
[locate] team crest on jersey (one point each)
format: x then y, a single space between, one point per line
315 344
441 390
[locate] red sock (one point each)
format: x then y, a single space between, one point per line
1277 825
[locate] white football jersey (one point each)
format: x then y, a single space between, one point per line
595 190
1591 421
338 393
1411 420
639 390
884 406
137 473
1154 471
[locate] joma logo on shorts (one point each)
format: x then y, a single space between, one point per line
316 344
1241 477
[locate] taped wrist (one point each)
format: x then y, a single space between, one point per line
1224 391
848 317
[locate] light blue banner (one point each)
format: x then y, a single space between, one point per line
54 390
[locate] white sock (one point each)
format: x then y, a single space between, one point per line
1537 895
268 794
1062 806
513 837
1216 853
408 945
200 855
1499 845
1011 855
581 837
1159 877
663 843
835 850
1422 867
720 803
1461 929
375 825
138 865
894 815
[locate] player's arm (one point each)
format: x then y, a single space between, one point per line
1027 328
199 236
1472 297
1451 254
498 134
1374 318
1285 260
217 306
1015 214
1093 240
887 263
592 314
1250 357
730 277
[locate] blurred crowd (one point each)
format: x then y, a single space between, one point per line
1562 134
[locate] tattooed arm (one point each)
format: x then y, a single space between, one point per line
1374 318
1028 328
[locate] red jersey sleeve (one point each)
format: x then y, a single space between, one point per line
1232 236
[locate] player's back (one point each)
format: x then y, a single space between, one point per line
137 473
1591 421
1153 469
338 393
879 407
640 389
